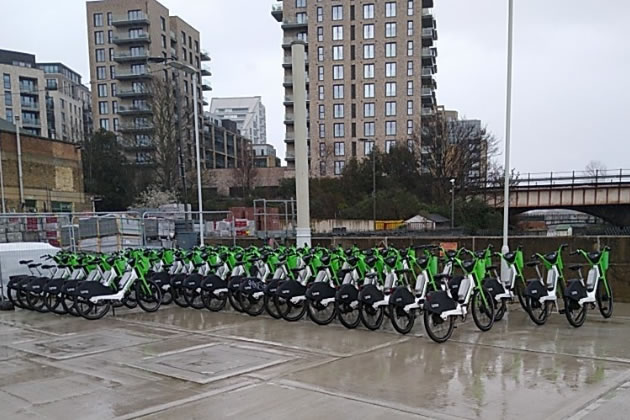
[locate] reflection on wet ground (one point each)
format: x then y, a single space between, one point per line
182 363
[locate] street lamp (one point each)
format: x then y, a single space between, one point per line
508 131
452 203
372 153
193 71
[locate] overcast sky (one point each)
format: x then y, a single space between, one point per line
571 66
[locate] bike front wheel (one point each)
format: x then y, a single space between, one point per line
437 328
402 321
538 311
321 314
483 309
149 296
371 317
604 299
575 313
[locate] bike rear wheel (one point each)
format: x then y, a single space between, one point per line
349 316
270 307
483 309
149 296
213 302
37 302
54 304
252 306
371 317
91 311
438 329
500 310
290 311
604 300
321 314
193 298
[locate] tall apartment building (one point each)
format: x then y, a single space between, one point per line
247 112
24 92
127 38
224 144
370 75
68 103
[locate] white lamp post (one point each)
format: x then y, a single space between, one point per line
508 132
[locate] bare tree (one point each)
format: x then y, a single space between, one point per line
595 168
245 171
455 149
325 153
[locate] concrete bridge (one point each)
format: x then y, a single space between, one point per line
605 194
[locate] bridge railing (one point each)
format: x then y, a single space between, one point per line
566 179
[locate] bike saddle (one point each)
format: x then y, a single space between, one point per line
509 257
423 261
552 257
533 263
34 265
47 267
404 252
451 254
594 257
480 254
491 267
26 262
352 260
403 271
370 261
468 265
575 267
390 261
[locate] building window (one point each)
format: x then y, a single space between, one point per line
368 90
409 48
138 69
338 110
337 13
390 89
300 17
368 109
320 14
368 71
340 148
338 53
338 130
322 150
390 128
110 36
51 83
163 41
135 14
337 33
390 30
337 91
112 72
320 53
368 31
390 109
389 145
109 18
322 131
410 88
337 72
99 38
409 68
101 73
6 80
102 91
369 129
368 51
410 28
368 11
103 108
104 123
320 73
98 19
8 100
320 34
114 90
390 69
114 107
9 115
116 124
410 8
410 127
339 165
322 168
368 147
100 55
322 112
390 49
111 54
390 9
321 93
409 107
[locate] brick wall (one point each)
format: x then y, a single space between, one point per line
224 179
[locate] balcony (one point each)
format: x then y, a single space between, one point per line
28 106
288 61
289 119
136 39
134 110
206 87
136 128
205 71
128 58
277 11
29 89
133 76
29 122
204 56
173 37
288 100
133 93
428 21
427 71
428 36
290 156
131 20
294 24
288 41
427 112
427 4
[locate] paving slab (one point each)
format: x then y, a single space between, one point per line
329 340
213 362
280 403
464 381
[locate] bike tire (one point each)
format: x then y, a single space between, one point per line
604 300
318 312
54 304
576 314
538 312
484 309
193 299
402 321
372 318
432 321
36 302
252 306
500 310
348 316
149 300
90 310
270 307
293 311
212 302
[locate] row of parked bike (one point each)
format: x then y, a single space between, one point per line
352 285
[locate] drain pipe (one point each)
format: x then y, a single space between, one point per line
4 203
19 158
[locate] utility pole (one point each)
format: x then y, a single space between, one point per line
19 158
452 203
180 143
508 132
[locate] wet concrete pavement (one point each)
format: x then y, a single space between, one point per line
182 363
